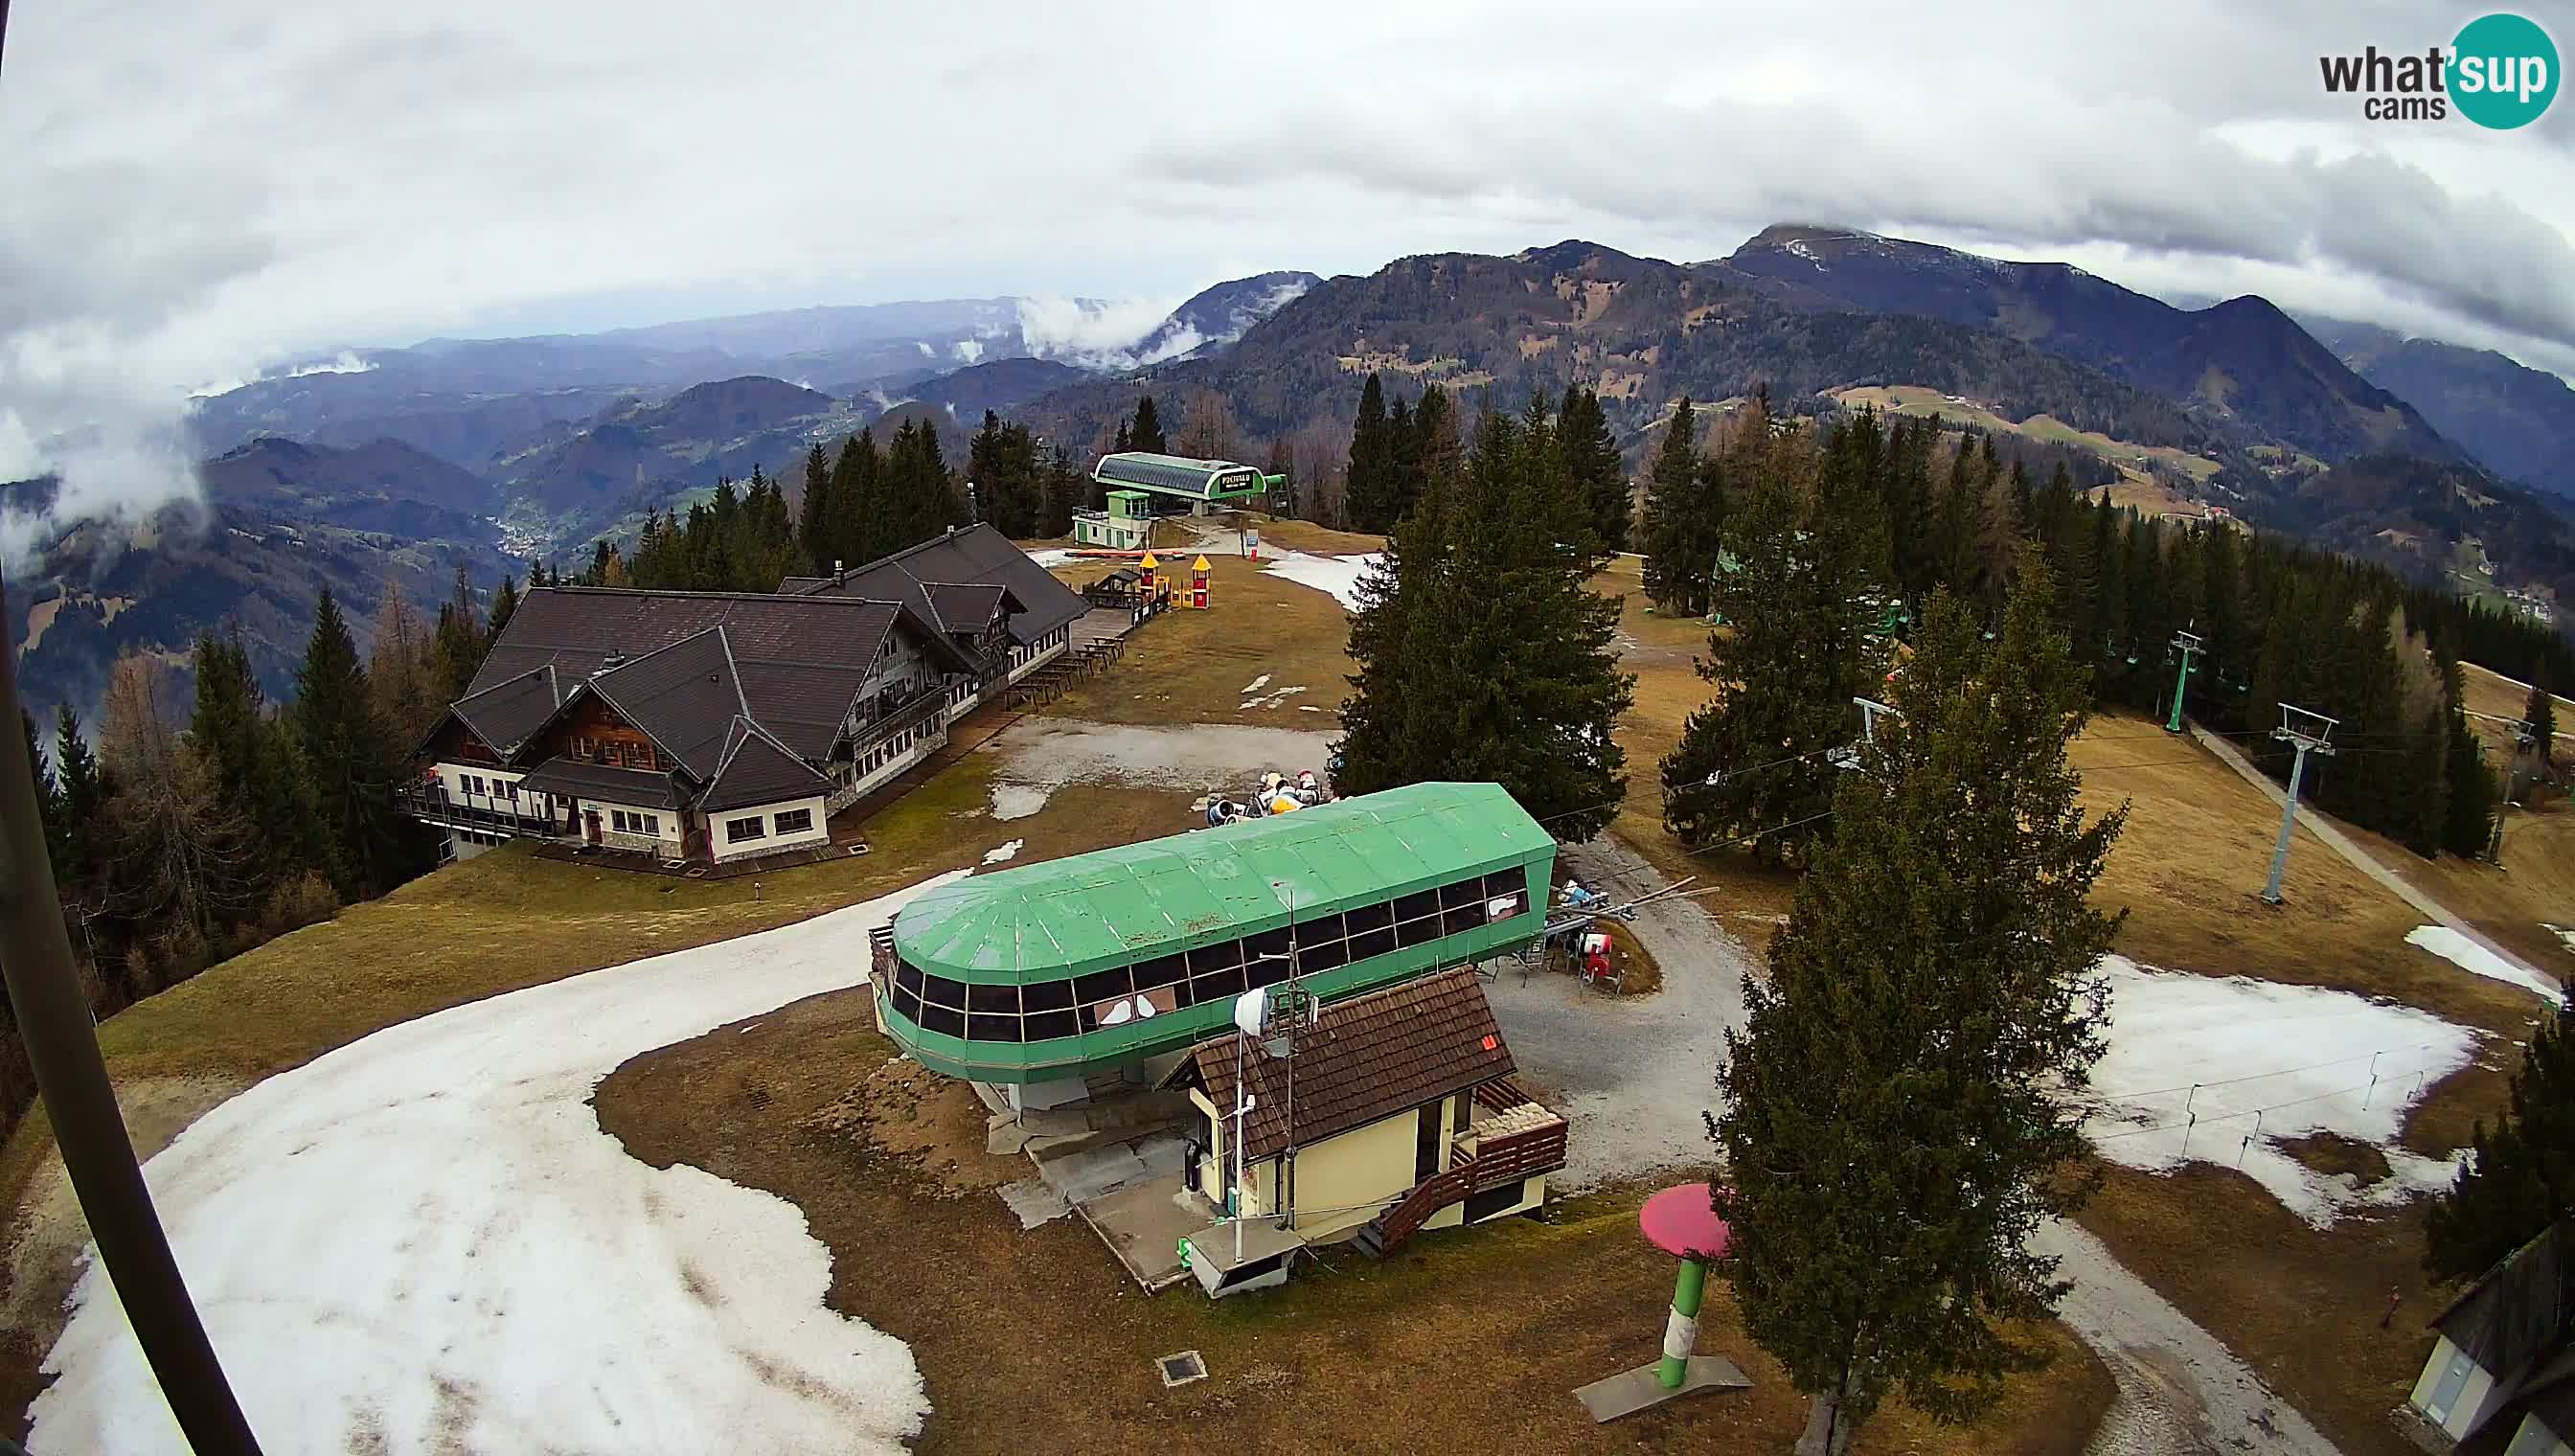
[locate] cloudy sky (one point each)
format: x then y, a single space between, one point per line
197 192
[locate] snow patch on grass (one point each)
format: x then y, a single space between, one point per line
1054 557
1255 684
1005 854
2562 933
1274 700
2224 1069
2467 954
1337 574
1018 800
424 1241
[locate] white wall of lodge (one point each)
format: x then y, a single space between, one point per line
1035 654
763 828
476 786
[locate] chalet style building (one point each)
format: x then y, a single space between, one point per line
715 726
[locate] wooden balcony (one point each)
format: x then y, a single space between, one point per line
432 803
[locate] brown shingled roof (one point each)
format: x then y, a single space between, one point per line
1367 1057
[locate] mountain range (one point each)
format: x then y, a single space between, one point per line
362 466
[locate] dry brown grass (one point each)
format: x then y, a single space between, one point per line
1191 667
1034 1342
1306 536
2301 1306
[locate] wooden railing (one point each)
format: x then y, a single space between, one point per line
1518 1155
1427 1197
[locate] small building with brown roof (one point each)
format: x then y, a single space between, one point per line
716 726
1396 1111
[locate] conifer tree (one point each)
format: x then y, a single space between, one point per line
2521 1177
456 642
84 789
255 764
351 758
1897 1113
813 513
1370 491
505 601
1064 492
1145 433
1439 444
861 523
49 801
1591 458
1679 534
1799 640
183 860
1479 652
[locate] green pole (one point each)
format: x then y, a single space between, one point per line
2180 682
1681 1334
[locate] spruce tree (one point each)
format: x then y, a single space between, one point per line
1145 433
1799 640
1899 1117
505 601
256 764
351 758
1369 488
84 788
49 801
2521 1177
1680 537
1479 652
1591 458
813 515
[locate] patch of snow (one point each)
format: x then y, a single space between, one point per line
1308 708
925 351
424 1241
1255 684
969 350
1051 557
2222 1069
1798 249
2467 954
1018 800
2563 933
1005 854
1275 699
1337 574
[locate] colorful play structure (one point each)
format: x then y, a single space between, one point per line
1682 1222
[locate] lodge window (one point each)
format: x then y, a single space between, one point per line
796 821
737 830
633 824
1045 1010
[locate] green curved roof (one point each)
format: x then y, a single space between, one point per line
1087 912
1178 474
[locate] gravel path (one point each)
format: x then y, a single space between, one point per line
2179 1389
1634 1079
2361 860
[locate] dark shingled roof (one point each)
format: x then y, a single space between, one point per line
2517 1312
576 628
682 696
1367 1057
757 768
574 779
975 553
969 606
503 714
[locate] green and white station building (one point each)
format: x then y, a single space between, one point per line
1142 485
1040 976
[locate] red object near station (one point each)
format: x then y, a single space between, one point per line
1682 1222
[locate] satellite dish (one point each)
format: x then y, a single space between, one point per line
1252 1012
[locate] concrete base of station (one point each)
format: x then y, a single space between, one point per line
1630 1391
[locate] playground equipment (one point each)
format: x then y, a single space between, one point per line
1682 1222
1197 592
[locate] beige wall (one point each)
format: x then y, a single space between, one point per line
1341 1181
770 838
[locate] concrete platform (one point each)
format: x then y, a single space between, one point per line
1630 1391
1144 1223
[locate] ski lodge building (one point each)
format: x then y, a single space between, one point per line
710 727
